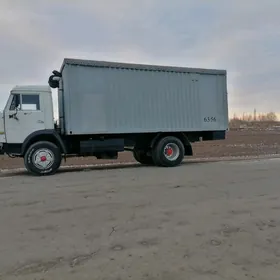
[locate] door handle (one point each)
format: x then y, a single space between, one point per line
39 121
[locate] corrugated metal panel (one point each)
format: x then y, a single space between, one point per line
143 67
113 100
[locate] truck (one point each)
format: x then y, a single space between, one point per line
105 108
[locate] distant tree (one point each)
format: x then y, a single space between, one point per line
268 117
271 116
248 118
261 117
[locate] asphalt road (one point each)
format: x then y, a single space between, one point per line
197 221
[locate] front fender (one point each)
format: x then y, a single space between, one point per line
40 135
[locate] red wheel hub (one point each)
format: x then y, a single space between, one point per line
169 151
43 158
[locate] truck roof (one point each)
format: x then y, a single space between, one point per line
31 88
143 67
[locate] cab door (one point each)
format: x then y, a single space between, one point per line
23 116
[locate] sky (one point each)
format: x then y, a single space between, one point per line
242 37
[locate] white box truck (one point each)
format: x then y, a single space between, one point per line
108 107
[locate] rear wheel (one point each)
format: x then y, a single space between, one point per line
42 158
142 157
168 152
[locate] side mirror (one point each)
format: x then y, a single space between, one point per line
13 116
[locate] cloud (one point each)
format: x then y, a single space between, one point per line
242 37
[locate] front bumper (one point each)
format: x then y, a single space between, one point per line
2 152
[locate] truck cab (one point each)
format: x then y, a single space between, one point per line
28 109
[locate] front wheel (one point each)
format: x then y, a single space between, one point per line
42 158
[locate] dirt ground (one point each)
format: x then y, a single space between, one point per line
197 221
238 143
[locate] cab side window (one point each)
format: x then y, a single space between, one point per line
30 102
15 105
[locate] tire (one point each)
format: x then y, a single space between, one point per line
49 154
142 158
168 152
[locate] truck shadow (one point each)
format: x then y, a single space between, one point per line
72 169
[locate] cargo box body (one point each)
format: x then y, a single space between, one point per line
114 98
